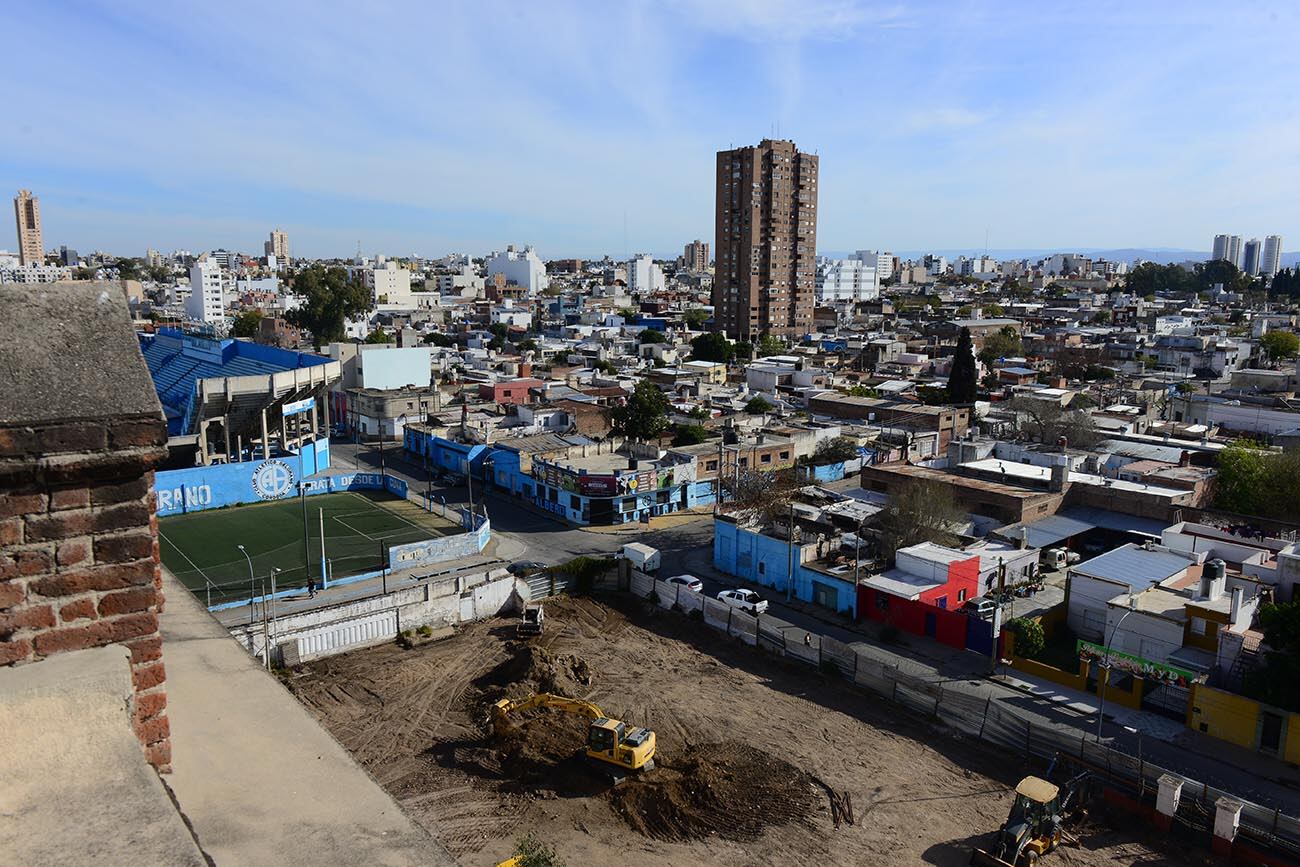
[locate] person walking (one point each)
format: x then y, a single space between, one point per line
311 587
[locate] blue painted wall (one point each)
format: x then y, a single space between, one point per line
764 560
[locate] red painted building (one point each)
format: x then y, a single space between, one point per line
924 593
509 391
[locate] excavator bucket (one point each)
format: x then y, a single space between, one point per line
983 858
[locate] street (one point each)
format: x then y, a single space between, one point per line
687 548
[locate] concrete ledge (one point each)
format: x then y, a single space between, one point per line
257 776
76 787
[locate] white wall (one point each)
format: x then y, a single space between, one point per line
1088 597
387 368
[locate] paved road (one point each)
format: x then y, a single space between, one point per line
687 547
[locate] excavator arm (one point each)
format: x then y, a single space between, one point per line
502 710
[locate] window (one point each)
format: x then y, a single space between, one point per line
766 459
1198 626
575 501
711 465
762 568
961 595
785 456
941 602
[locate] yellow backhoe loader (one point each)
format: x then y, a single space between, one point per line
613 745
1034 826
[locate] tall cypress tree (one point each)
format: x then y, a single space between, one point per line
961 379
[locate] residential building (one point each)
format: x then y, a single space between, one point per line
696 256
27 218
1228 248
1271 260
67 256
278 246
521 267
846 280
207 298
465 283
1250 260
388 282
766 240
35 274
644 277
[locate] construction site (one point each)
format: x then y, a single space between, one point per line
732 755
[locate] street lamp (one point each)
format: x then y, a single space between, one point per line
1105 665
252 582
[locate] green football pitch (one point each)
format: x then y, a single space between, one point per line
201 548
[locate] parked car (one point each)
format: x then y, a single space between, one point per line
746 600
690 582
981 607
525 567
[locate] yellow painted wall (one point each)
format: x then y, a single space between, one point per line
1232 718
1291 749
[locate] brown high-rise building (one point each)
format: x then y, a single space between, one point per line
27 214
696 256
278 246
764 274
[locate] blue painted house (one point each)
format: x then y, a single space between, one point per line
766 560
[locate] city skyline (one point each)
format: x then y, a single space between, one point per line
921 115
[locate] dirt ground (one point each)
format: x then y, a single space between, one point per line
751 751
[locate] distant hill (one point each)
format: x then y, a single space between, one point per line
1163 255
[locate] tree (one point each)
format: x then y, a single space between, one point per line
379 335
690 435
436 338
769 345
695 318
1280 344
712 346
329 298
962 376
700 412
761 496
1277 682
246 324
159 273
128 269
84 272
744 349
1101 317
862 391
649 335
922 510
1030 637
644 415
1047 421
1003 343
532 852
758 406
835 450
993 311
1253 480
528 344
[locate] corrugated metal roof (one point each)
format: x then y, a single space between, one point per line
1116 521
1046 532
1134 566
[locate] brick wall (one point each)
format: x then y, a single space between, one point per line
79 562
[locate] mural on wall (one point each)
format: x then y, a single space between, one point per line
1135 665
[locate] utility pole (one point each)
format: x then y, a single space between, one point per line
306 544
789 575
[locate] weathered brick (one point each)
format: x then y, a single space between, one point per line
33 561
108 493
116 576
136 433
126 601
11 531
82 609
12 593
83 436
151 731
149 705
118 549
32 617
145 650
69 498
124 516
21 504
72 638
73 553
59 525
159 755
17 441
123 629
13 651
148 676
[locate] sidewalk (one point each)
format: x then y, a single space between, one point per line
659 522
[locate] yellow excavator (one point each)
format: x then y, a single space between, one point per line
1034 827
613 744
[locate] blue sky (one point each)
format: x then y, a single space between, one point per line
426 128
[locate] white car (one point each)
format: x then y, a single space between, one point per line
690 582
746 600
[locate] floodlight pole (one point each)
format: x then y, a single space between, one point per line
252 589
306 536
1104 678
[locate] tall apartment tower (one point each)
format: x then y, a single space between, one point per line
278 246
1250 257
696 255
765 271
27 216
1227 247
1271 262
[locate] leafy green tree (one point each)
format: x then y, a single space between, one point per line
862 391
700 412
330 298
744 349
993 311
935 395
758 406
769 345
644 415
1280 344
159 273
435 338
246 324
650 335
1003 343
605 367
84 272
1277 682
962 376
128 269
532 852
712 346
695 318
379 335
1101 317
690 435
628 313
1257 481
1030 638
1149 278
835 450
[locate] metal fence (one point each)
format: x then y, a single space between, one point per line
978 717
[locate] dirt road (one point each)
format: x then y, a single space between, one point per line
919 795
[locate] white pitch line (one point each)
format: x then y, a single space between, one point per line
187 558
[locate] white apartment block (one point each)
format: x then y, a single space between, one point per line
523 268
34 274
644 277
207 298
846 280
388 282
1271 261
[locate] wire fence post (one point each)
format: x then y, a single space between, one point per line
984 719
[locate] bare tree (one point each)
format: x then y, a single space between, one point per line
758 497
923 510
1046 421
